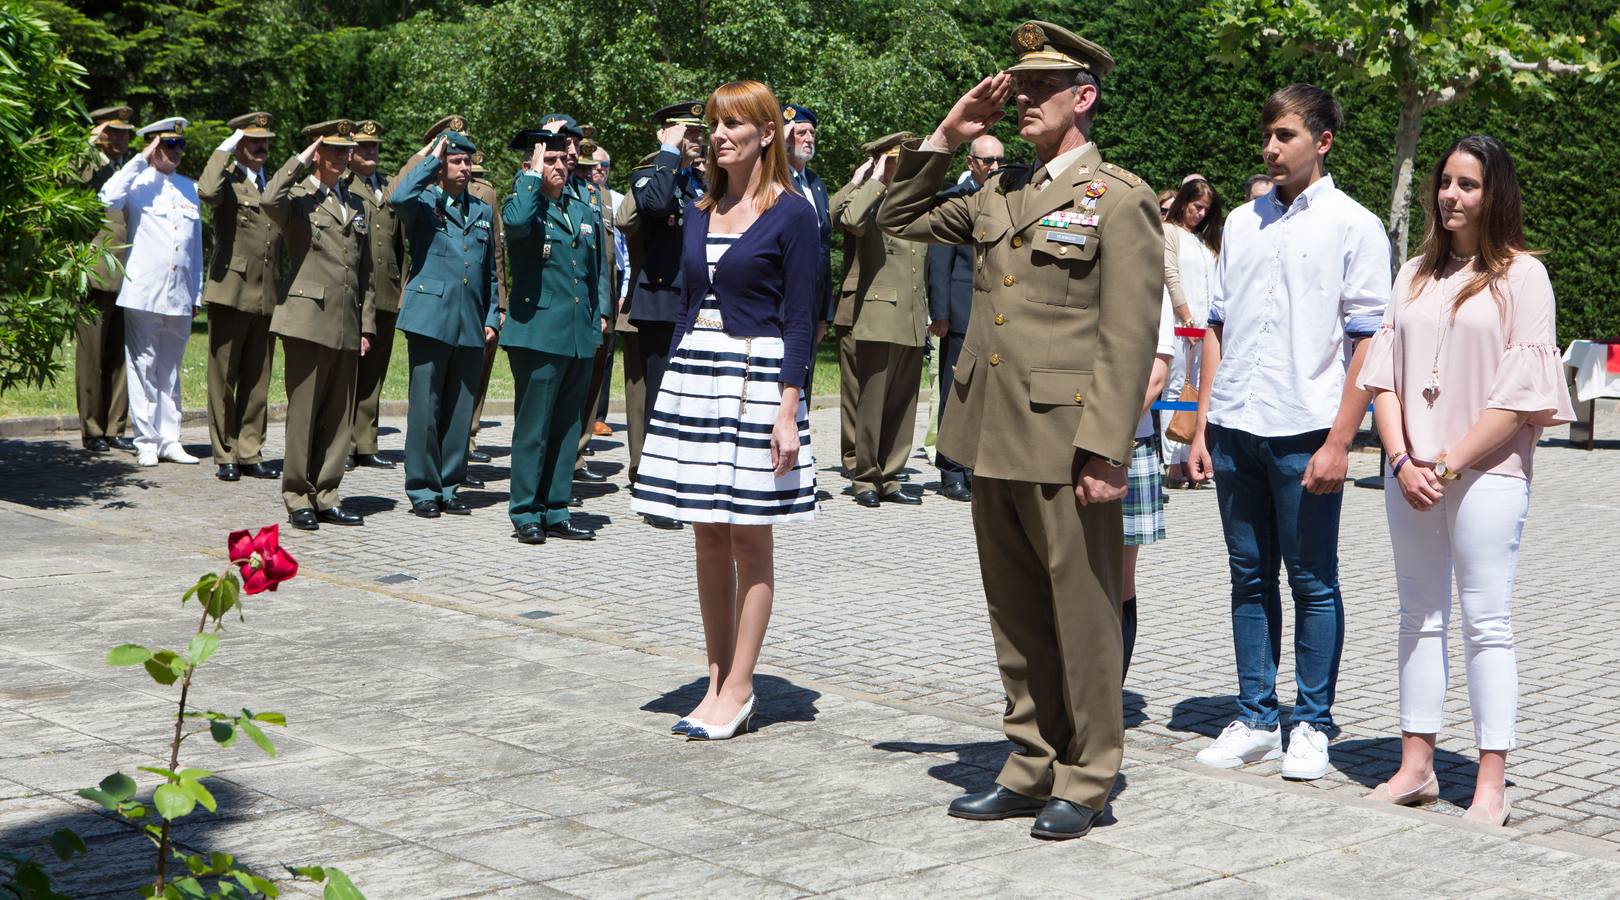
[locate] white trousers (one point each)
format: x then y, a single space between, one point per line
1175 452
1472 532
154 347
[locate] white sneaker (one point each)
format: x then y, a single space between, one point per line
1307 758
146 457
1239 745
177 454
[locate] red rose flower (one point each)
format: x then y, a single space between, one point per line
262 561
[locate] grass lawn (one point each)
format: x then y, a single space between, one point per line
58 399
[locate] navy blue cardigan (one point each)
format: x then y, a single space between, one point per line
765 284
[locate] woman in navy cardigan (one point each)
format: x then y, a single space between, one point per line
728 445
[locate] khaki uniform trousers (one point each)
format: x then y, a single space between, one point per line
320 420
240 352
368 387
884 414
98 370
849 396
1051 571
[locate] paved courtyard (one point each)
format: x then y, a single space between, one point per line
473 717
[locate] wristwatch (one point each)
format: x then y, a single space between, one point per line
1443 471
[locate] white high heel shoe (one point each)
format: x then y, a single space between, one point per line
701 731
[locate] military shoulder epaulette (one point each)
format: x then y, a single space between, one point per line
1125 175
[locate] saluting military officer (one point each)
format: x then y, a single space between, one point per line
98 362
882 324
482 190
243 285
448 315
1045 402
387 268
660 191
557 320
325 319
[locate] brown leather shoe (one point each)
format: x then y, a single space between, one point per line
602 429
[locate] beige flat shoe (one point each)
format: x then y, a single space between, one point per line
1482 816
1422 795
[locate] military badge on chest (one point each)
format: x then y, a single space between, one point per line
545 250
1093 192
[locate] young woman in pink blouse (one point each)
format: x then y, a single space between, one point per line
1466 375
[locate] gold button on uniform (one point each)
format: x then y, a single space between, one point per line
995 359
1017 242
1078 398
1001 319
1009 281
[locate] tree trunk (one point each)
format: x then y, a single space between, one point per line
1400 200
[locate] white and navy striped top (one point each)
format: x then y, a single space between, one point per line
714 247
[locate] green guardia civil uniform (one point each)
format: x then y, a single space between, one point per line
241 290
387 271
324 312
448 302
553 329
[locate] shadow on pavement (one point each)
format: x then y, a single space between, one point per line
1135 709
976 761
61 475
1371 761
369 504
776 700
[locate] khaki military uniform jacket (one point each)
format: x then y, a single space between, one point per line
114 233
245 272
884 294
387 242
1065 316
328 296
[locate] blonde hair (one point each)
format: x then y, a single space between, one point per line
753 102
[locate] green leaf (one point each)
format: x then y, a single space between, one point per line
132 810
201 590
172 802
202 646
271 718
224 733
223 597
194 774
313 873
339 887
197 865
220 863
98 796
265 886
190 888
196 791
255 735
66 844
161 674
128 655
119 786
157 771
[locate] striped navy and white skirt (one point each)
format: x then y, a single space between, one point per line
707 455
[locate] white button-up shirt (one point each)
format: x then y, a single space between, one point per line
1291 285
164 273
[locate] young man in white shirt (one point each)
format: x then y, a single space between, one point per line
1303 277
162 287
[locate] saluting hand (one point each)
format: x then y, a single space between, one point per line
308 155
150 150
974 114
672 135
863 171
97 134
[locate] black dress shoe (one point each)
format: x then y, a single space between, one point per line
957 490
663 522
995 803
348 463
122 443
575 502
584 473
467 481
337 515
530 533
903 478
372 461
304 520
228 472
477 456
97 445
261 470
455 506
868 499
902 498
427 509
1062 820
568 531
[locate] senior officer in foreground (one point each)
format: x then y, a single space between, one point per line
387 268
1058 351
448 315
557 320
882 324
98 361
243 284
325 319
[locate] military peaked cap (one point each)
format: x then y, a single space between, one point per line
334 133
686 112
562 123
171 127
253 125
1043 46
889 144
368 130
115 117
451 122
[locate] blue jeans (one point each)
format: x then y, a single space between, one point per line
1269 518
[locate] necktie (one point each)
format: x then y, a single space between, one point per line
258 177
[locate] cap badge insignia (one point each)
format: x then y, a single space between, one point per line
789 113
261 120
697 110
457 123
345 128
369 128
1029 37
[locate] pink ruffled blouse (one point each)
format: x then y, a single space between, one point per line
1493 356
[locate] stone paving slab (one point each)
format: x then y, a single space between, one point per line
498 726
